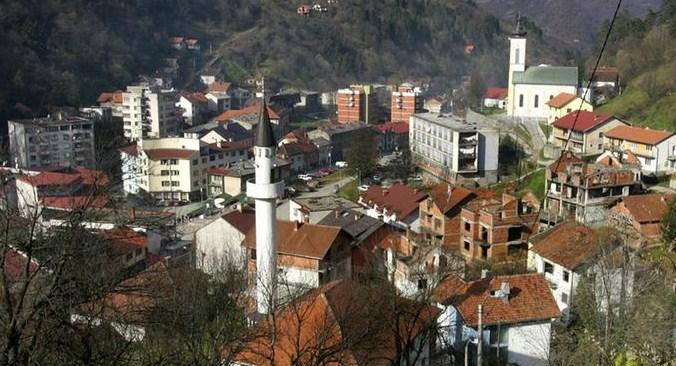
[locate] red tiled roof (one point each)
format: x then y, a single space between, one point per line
647 207
637 134
300 239
585 121
530 299
229 146
91 176
445 201
14 265
495 93
219 172
399 199
124 238
300 148
396 127
561 100
195 97
253 109
108 97
568 244
561 164
50 179
219 86
74 202
157 154
130 149
242 221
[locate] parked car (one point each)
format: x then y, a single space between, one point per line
377 178
304 177
341 164
363 188
415 178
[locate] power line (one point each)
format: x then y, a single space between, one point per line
584 96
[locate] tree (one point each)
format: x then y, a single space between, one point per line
668 225
362 157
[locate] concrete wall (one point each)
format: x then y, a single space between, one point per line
218 244
528 110
528 344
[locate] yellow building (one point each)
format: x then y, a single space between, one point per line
565 103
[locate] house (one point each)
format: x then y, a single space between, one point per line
314 209
391 136
341 137
516 317
65 189
580 190
605 84
323 151
213 132
218 245
176 43
415 266
529 87
296 147
496 229
248 118
397 205
231 180
655 149
192 44
55 140
582 132
304 10
308 255
208 77
340 323
495 98
128 248
406 101
564 103
195 107
435 105
440 213
640 217
569 252
452 149
112 100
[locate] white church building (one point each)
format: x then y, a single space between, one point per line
530 87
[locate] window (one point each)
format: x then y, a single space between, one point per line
551 97
195 161
253 254
549 268
536 101
66 137
466 245
437 223
165 183
212 157
568 110
174 162
164 172
175 184
468 226
566 276
564 298
521 100
204 160
517 55
422 284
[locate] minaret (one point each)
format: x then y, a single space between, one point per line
265 192
517 62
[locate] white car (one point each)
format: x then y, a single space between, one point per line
341 164
363 188
304 177
415 178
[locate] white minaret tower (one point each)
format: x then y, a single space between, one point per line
265 192
517 62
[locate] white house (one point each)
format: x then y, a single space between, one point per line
219 244
568 252
517 312
397 205
530 87
313 209
654 149
195 107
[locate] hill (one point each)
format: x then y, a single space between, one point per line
575 22
643 51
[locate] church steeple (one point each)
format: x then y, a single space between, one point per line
518 29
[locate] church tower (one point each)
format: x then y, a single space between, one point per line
265 192
517 62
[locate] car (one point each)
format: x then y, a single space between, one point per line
341 164
363 188
304 177
415 178
377 178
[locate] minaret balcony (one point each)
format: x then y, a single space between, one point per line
264 191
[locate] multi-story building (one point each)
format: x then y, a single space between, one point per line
391 136
149 112
175 168
496 230
639 218
112 100
581 190
55 140
232 179
195 107
396 205
453 149
341 138
406 101
654 149
582 132
356 104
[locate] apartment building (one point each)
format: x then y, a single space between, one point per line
452 149
654 149
175 168
496 229
149 112
406 101
582 133
582 191
341 138
55 140
357 104
112 100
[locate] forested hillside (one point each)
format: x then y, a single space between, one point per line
644 52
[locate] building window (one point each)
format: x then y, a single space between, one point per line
551 97
517 55
521 100
536 101
195 161
564 298
466 245
422 284
468 226
566 276
253 254
175 184
549 268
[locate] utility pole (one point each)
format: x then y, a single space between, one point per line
480 338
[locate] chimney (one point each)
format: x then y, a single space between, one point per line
132 214
296 225
306 219
239 207
337 213
356 217
504 292
485 273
